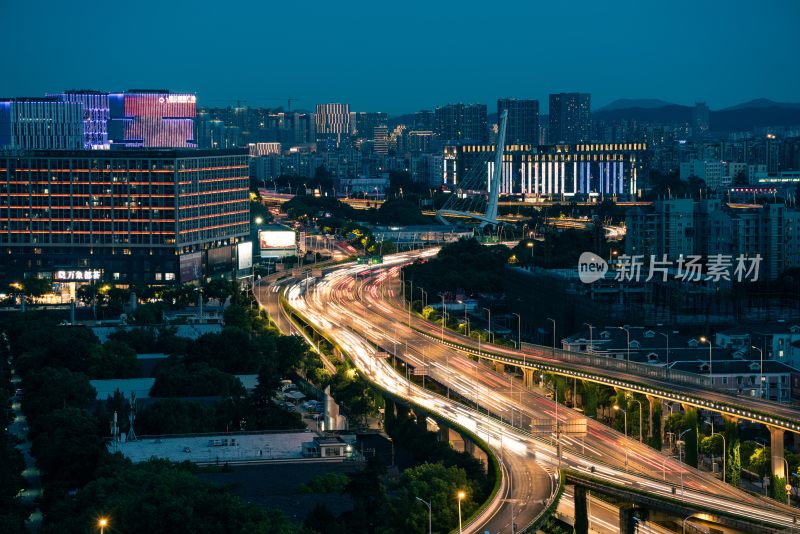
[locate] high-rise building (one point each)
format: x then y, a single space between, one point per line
363 123
41 123
462 122
95 116
424 120
333 124
128 216
700 118
381 140
523 120
152 118
570 118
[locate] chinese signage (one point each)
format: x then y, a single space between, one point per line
690 268
78 276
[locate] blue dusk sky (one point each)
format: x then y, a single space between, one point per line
403 56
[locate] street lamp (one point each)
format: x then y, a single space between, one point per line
629 344
554 334
430 513
425 297
490 322
258 221
687 518
666 336
461 494
681 444
625 414
641 409
724 453
519 331
591 338
530 246
704 339
760 372
102 523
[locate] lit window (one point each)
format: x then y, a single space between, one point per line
169 276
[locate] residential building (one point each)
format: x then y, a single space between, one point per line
570 118
462 122
523 120
700 118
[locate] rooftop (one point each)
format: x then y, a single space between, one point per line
213 448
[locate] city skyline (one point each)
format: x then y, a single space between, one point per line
625 51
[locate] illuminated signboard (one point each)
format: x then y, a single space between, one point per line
78 276
178 99
276 243
244 253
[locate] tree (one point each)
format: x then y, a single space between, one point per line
36 287
49 389
437 484
734 464
67 447
115 359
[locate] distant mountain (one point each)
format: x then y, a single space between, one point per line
669 114
629 103
763 103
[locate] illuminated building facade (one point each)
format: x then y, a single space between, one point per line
95 116
333 124
40 123
134 216
553 171
152 118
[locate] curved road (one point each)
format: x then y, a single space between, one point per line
338 303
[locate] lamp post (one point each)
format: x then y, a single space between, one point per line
430 514
704 339
760 372
628 361
686 519
490 322
424 298
519 331
102 523
680 443
461 494
591 338
641 409
444 315
666 336
530 246
725 452
625 415
554 334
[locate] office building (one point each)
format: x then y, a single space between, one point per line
523 120
424 119
462 122
712 172
570 118
381 140
553 171
95 116
129 216
363 123
152 118
41 123
332 124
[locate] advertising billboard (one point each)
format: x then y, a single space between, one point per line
191 266
219 260
277 243
244 253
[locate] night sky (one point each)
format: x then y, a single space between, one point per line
402 56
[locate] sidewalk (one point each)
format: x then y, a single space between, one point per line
19 428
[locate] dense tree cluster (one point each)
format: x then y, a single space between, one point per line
465 265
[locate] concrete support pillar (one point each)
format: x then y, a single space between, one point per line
499 367
527 377
627 524
581 510
650 403
776 451
469 446
443 434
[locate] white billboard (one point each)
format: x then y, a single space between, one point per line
244 251
277 243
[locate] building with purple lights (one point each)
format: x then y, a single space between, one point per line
95 116
149 118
